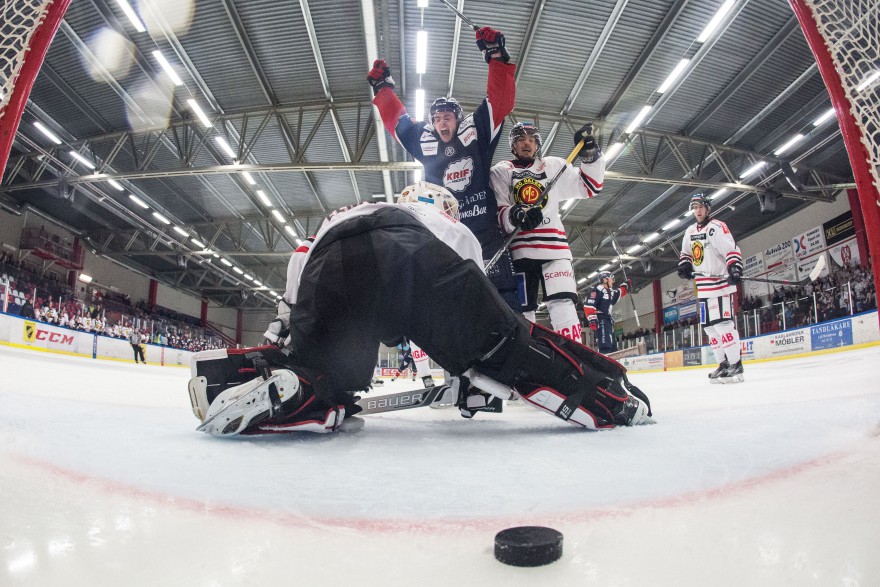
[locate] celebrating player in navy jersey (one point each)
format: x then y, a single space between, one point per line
457 150
599 307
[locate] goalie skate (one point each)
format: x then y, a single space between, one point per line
248 404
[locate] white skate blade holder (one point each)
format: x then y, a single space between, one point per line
244 405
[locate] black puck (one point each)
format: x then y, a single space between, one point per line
528 546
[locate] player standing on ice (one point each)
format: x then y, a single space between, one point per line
457 150
599 308
339 305
540 251
711 258
406 359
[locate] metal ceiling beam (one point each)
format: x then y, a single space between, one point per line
368 17
534 18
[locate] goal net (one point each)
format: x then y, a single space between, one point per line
26 29
844 36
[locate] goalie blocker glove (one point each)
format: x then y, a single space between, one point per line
380 76
590 152
491 43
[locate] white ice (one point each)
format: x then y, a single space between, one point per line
776 481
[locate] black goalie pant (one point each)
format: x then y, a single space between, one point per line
383 277
605 340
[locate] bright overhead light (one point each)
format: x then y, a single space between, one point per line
582 280
49 134
258 283
592 275
299 242
249 178
249 277
568 204
290 230
216 256
264 198
651 237
194 106
672 223
713 195
421 51
868 81
422 3
197 242
226 262
278 216
673 76
237 270
824 117
180 231
753 169
161 218
634 249
132 16
716 20
157 55
116 184
138 201
605 266
638 119
420 104
613 150
791 143
691 211
82 159
225 146
85 278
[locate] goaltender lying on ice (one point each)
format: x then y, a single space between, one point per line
380 272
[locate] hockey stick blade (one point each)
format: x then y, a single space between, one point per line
820 265
460 15
404 400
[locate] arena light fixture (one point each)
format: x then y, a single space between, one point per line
48 133
635 249
422 3
613 150
198 243
582 280
299 242
138 201
116 185
421 51
175 79
672 223
791 143
197 110
264 198
824 117
221 142
605 266
82 159
638 119
132 16
249 178
716 20
161 218
568 204
249 277
238 270
85 278
181 231
258 283
713 195
279 216
753 169
290 230
651 237
226 262
673 76
592 275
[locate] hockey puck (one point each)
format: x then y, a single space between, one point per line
528 546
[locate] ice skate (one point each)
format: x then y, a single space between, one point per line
248 404
633 413
733 374
714 375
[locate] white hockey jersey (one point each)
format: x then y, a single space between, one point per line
449 230
710 249
514 184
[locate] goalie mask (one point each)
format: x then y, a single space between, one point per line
524 129
429 193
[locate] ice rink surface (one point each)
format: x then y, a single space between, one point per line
775 481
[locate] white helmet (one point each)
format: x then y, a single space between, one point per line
430 193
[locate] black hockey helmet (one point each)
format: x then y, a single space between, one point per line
447 105
700 199
603 275
523 129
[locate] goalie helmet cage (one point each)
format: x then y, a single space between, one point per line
26 30
845 39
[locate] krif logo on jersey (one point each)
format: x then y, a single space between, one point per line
697 252
528 191
458 174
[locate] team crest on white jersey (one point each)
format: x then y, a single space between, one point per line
697 252
458 174
529 191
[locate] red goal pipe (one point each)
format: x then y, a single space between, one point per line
22 90
852 134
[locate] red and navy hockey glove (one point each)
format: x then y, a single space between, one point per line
380 76
491 43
